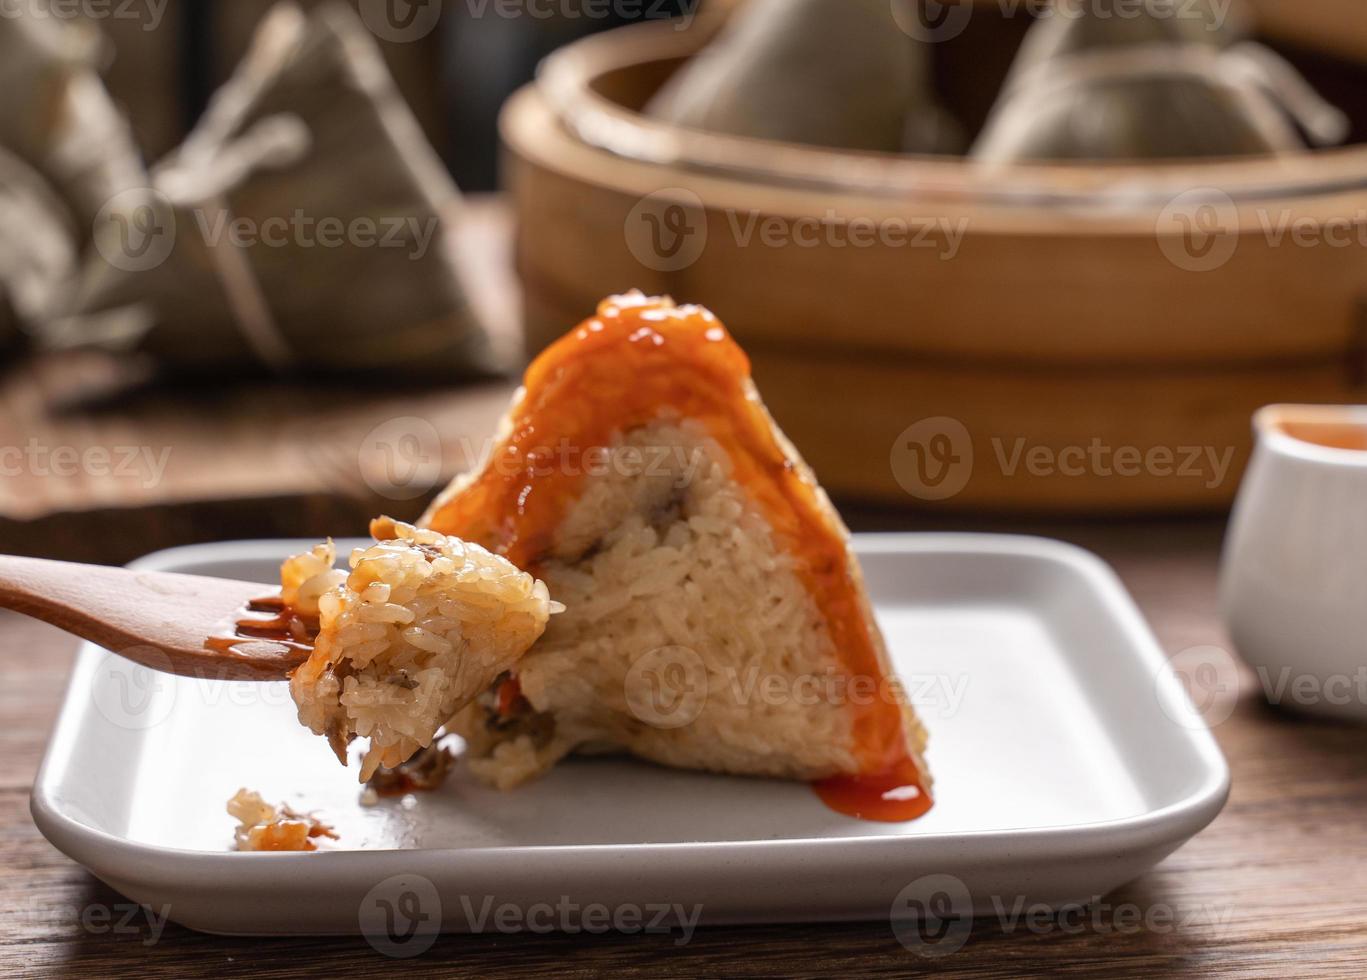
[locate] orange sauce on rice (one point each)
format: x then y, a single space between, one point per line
619 370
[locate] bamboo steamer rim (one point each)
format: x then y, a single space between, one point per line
568 82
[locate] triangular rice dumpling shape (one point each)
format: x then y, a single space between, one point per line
833 73
37 252
716 617
57 115
308 224
1179 116
1068 27
1115 80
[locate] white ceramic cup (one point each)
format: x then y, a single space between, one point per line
1294 581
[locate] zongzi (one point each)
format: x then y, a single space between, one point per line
700 563
58 117
834 73
302 227
37 251
1112 80
1069 27
419 626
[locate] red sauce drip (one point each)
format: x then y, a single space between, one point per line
890 797
398 783
268 618
285 835
509 697
423 773
618 371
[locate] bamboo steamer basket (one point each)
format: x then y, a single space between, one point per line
1085 313
1335 26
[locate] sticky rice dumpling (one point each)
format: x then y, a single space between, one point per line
37 251
419 625
639 475
57 115
834 73
1112 80
1069 27
302 228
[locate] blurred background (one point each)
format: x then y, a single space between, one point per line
454 75
270 269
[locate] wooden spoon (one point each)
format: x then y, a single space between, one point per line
158 619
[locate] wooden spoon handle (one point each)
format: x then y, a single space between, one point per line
158 619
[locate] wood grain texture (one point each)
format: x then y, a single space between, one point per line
158 619
1277 886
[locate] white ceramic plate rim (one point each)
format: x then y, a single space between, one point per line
1164 827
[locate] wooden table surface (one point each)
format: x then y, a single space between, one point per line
1277 886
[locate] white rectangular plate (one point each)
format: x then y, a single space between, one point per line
1065 761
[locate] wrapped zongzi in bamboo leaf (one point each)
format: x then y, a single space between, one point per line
56 114
303 227
1069 27
835 73
37 251
1115 80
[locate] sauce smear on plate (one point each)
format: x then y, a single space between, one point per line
889 797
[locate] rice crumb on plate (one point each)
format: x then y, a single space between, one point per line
263 827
